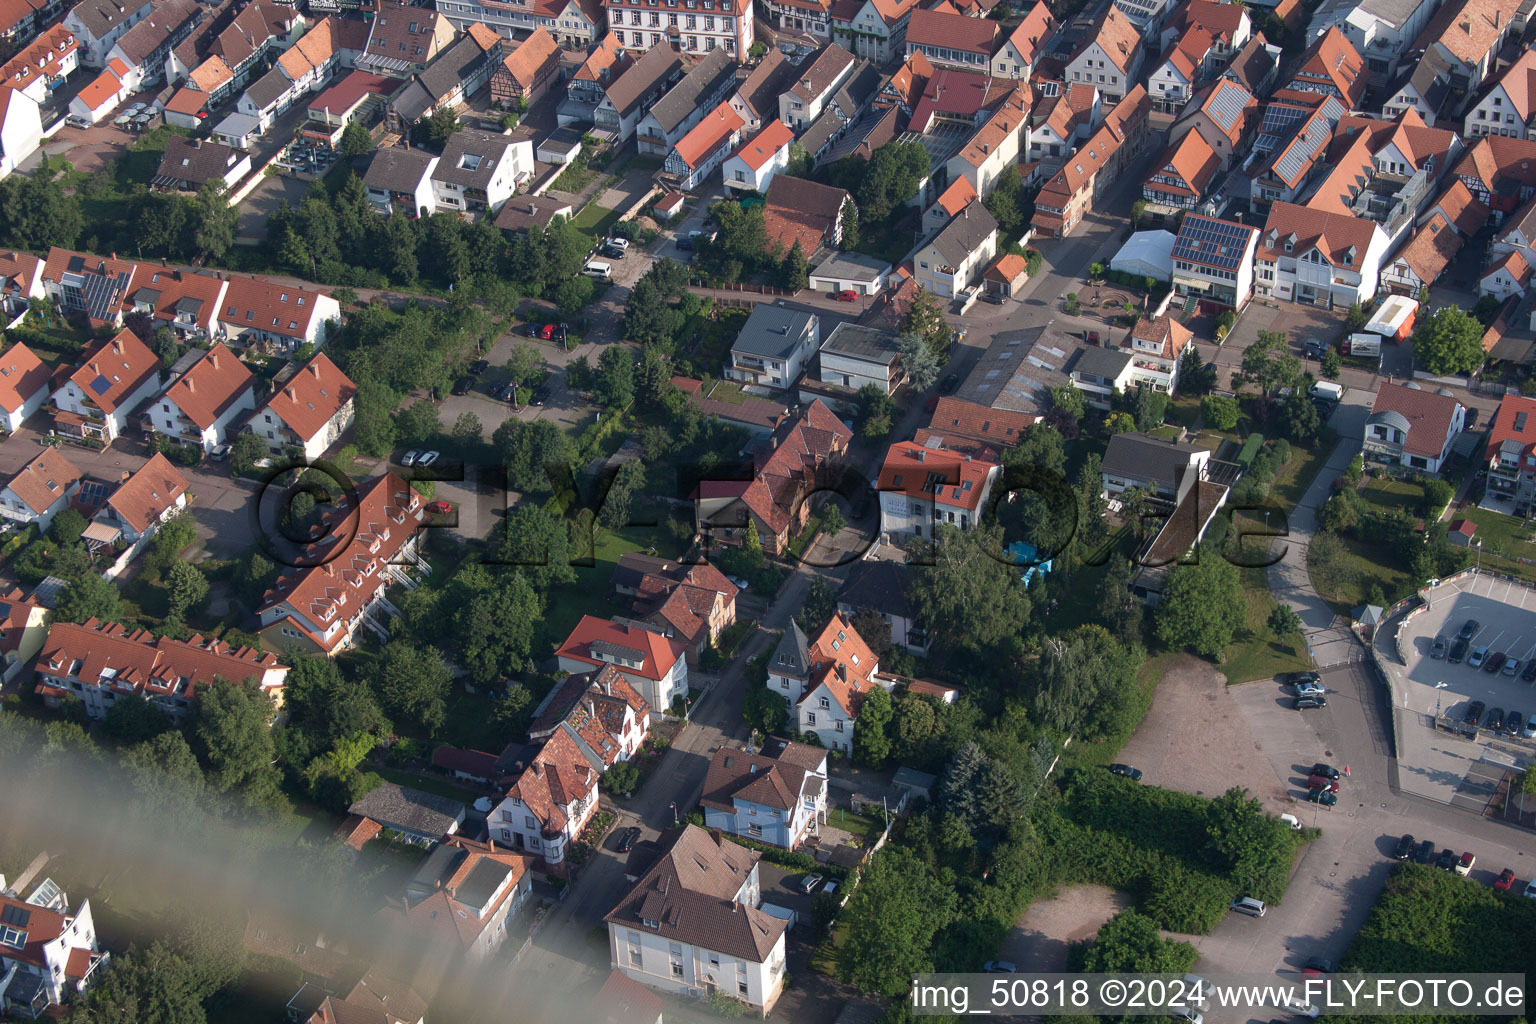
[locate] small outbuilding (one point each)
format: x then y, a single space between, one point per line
1146 254
1461 533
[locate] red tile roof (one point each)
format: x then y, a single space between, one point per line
309 399
149 493
115 369
20 271
787 474
1465 211
656 653
447 921
708 135
22 375
176 293
966 428
140 662
103 88
957 197
557 777
1513 420
947 478
759 149
1332 61
1033 32
1116 36
43 58
284 309
1433 245
841 661
623 1000
1192 161
1164 331
43 927
1333 234
44 480
348 92
357 831
1429 416
951 31
527 62
214 384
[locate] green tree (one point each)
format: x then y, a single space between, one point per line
374 427
536 540
1203 605
752 545
413 684
614 385
575 294
1086 682
766 711
621 779
649 318
619 502
1194 378
67 527
1120 610
832 522
892 918
131 719
1284 622
819 606
918 361
871 745
167 347
969 598
1009 203
185 586
1249 844
1449 342
532 450
1219 412
86 597
1130 943
1332 364
794 271
433 131
467 430
323 701
1269 363
175 535
1068 398
355 139
925 319
419 422
247 450
234 737
524 362
215 220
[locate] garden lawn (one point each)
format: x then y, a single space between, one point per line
592 593
1506 539
824 959
1393 494
1366 563
1183 410
858 824
1255 653
1304 464
595 220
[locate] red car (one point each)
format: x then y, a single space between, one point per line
846 295
1505 880
550 332
931 404
439 508
1320 782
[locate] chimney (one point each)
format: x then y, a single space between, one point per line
213 359
293 396
314 369
176 275
191 384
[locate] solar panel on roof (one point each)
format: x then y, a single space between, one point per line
101 385
1211 242
15 915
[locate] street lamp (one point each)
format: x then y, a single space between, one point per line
687 703
1479 556
674 812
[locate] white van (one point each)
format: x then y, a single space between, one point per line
598 269
1248 905
1329 390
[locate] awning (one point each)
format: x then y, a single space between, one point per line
101 533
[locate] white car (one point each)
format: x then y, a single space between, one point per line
1292 821
1530 889
410 457
618 243
427 458
1185 1013
1530 728
1310 688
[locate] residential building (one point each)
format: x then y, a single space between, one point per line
374 998
401 180
23 628
806 17
685 104
705 147
1070 194
239 52
1424 88
404 39
525 74
319 607
1228 24
752 167
47 953
951 263
622 1000
200 407
355 97
999 143
884 587
102 95
1318 257
825 681
759 417
774 346
422 819
756 100
310 410
854 356
949 205
1020 51
711 25
1500 172
777 795
804 211
189 164
965 428
24 385
1420 263
450 79
21 279
1412 427
1062 121
134 513
1213 261
1517 234
1291 168
873 30
40 67
1511 449
1382 31
651 662
1183 174
1331 67
921 487
1174 81
140 53
21 129
1165 468
186 302
258 312
691 603
1225 115
814 84
1507 108
22 19
575 24
1100 374
97 25
1255 65
1155 345
460 900
480 170
800 457
632 93
1467 35
99 398
601 712
40 490
1110 56
522 212
948 38
851 271
1507 276
548 805
692 924
97 663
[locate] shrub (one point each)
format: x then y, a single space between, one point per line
1071 306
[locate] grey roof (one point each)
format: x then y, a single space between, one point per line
397 170
860 88
821 131
879 584
1226 104
854 266
238 125
760 90
268 89
468 143
410 810
1144 457
873 344
964 233
412 101
194 161
911 778
815 76
772 330
524 211
656 66
706 80
156 31
1107 363
1389 417
1020 368
450 68
101 16
789 656
481 883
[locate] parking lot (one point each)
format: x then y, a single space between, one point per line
1440 764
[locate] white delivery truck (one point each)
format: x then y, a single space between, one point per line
1328 390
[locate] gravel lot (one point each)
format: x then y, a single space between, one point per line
1039 941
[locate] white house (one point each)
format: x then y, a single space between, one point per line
814 84
1381 31
200 406
694 923
1507 106
43 64
24 385
874 30
921 487
1162 467
776 795
135 511
1110 57
113 380
1099 373
1000 142
47 951
401 179
656 666
40 490
708 25
1413 427
1016 57
1318 257
1155 345
854 356
479 170
479 887
548 805
774 345
288 316
99 24
704 148
103 94
1213 260
758 159
952 262
21 129
309 410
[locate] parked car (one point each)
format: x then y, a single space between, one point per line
1478 656
739 582
1495 662
220 452
479 366
549 332
613 253
1326 770
1318 782
1529 674
1464 865
1426 853
628 838
1000 967
1437 649
846 295
1320 965
684 242
1530 728
1447 859
1308 703
462 385
931 404
1458 652
1474 713
439 508
539 395
1511 667
1469 629
1504 881
1306 682
427 458
1530 889
1322 796
1514 722
618 243
410 457
1404 847
1292 821
534 329
1495 720
1134 774
810 883
948 385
